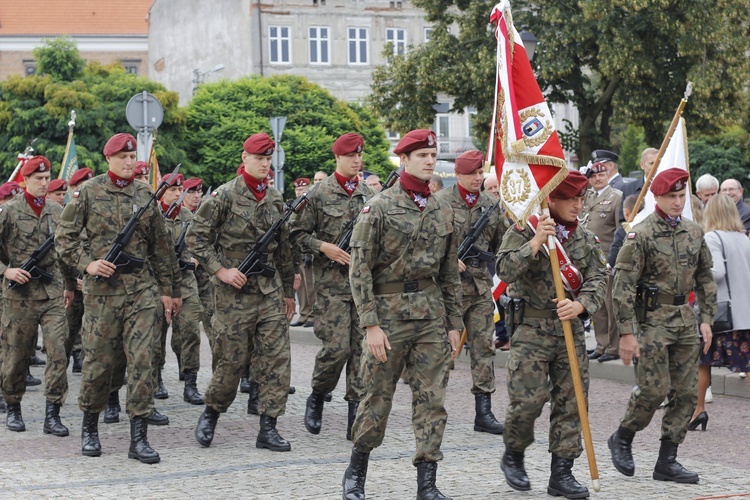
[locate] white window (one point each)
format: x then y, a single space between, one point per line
319 45
131 65
427 34
279 45
393 136
443 132
398 38
358 46
29 67
471 113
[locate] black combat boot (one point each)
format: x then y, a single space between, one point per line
90 445
669 469
620 444
52 423
351 415
157 418
204 431
37 361
3 406
562 483
269 437
314 412
191 394
252 400
31 380
329 397
426 476
353 484
139 447
112 412
77 362
14 420
161 390
514 470
485 421
245 384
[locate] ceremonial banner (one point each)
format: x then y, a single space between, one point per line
153 173
69 165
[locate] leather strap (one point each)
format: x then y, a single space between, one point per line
402 286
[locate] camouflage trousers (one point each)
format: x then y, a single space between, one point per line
75 319
119 331
20 322
422 347
337 326
306 294
539 371
245 323
186 335
605 324
668 364
478 314
206 298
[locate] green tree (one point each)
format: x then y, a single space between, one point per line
724 156
632 143
59 58
223 114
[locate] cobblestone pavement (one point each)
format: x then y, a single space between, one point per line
33 465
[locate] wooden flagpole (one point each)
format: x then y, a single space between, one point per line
71 126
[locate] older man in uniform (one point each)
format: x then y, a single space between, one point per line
609 159
249 311
36 299
119 301
405 284
661 261
468 204
538 366
333 207
306 290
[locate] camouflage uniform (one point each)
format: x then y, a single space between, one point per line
538 366
395 247
206 297
118 321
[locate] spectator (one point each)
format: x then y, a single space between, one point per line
627 207
373 181
319 176
733 189
491 186
436 183
706 187
648 158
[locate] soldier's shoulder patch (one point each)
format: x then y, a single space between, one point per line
1 210
76 194
596 238
214 193
602 258
631 235
366 209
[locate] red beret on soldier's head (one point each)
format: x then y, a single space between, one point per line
57 185
301 182
120 142
193 183
574 185
259 144
269 176
416 139
142 168
35 164
469 161
9 189
80 175
671 179
348 143
598 167
174 180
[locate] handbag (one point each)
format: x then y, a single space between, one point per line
723 319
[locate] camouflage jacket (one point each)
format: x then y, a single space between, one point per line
102 210
394 242
676 260
325 219
477 279
21 232
174 228
229 223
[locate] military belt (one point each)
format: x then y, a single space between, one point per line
530 312
402 286
667 299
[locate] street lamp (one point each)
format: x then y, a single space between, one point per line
529 42
200 77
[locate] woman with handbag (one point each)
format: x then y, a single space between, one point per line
730 251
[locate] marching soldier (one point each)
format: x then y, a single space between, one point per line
306 290
58 188
142 171
249 311
119 301
468 204
662 260
332 210
39 297
405 284
538 366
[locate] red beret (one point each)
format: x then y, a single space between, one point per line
194 183
120 142
269 176
598 167
469 161
35 164
348 143
671 179
174 180
416 139
259 144
142 168
80 175
302 181
57 185
9 189
575 184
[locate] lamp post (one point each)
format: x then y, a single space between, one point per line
529 42
199 77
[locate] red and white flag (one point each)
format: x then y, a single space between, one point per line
528 156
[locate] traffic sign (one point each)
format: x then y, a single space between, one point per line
144 111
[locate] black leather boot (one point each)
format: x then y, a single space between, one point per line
252 400
245 384
329 397
139 447
562 483
90 445
353 483
620 444
52 423
485 421
314 412
351 415
669 469
157 418
112 412
191 394
269 437
37 361
14 420
161 390
31 380
426 476
77 362
514 470
204 431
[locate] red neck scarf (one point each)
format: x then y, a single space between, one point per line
118 181
417 189
36 204
257 187
348 185
469 197
563 229
672 221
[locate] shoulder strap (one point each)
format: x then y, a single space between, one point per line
726 272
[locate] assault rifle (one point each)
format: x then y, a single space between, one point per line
467 250
205 197
175 206
32 265
179 247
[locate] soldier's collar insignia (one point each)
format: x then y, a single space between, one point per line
420 200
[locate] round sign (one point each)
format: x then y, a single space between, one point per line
144 111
